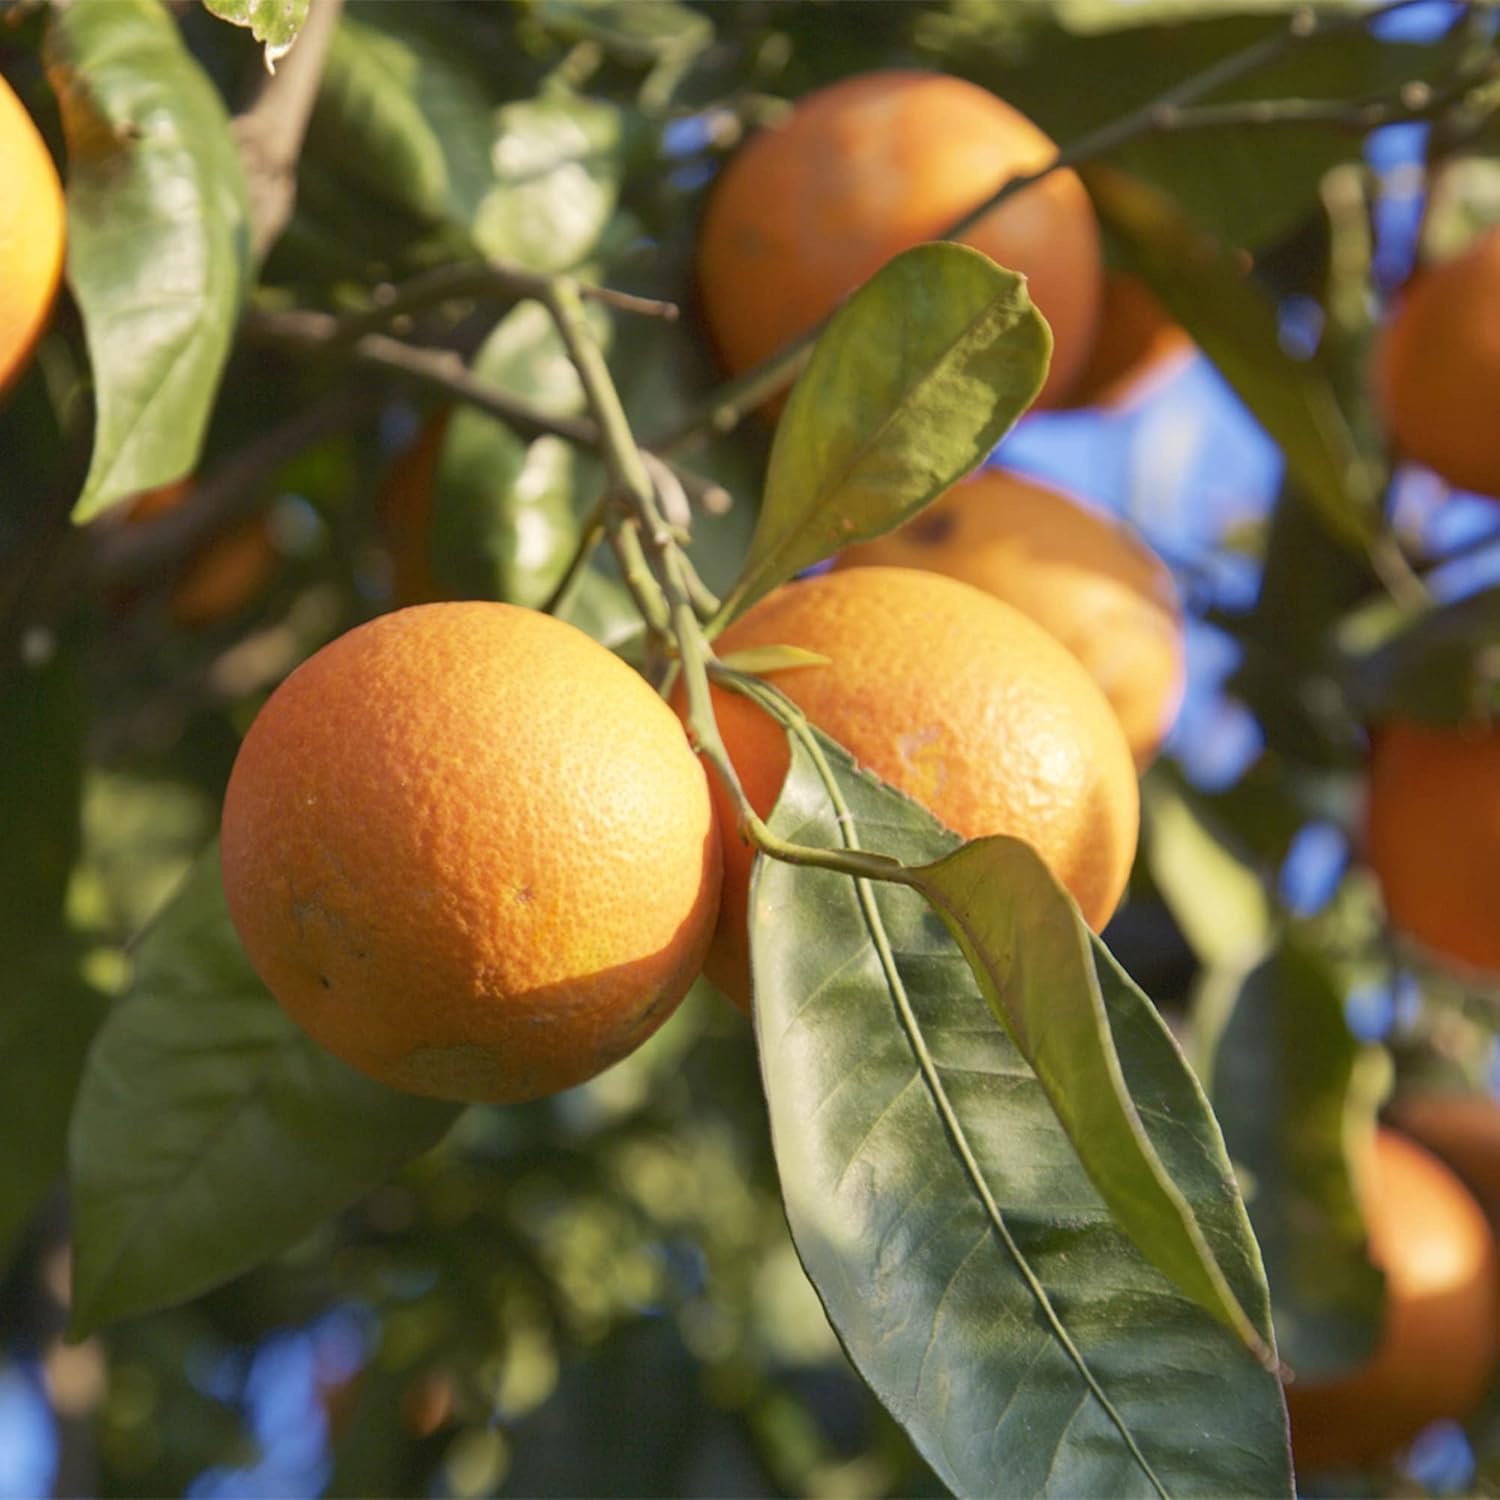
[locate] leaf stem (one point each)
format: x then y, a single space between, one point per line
591 533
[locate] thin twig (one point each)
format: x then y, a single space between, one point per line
475 280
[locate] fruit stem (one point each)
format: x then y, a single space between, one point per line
595 524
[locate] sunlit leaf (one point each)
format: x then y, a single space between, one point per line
157 236
1035 962
210 1133
972 1271
915 379
1294 1099
276 23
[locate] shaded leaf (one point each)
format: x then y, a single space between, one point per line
969 1266
210 1132
1293 1097
42 715
641 32
1234 321
1441 668
276 23
504 523
1033 957
912 383
157 237
47 1016
404 118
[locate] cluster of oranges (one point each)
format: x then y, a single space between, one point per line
474 854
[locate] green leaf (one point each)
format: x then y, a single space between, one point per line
1442 668
643 32
1214 895
915 379
559 161
1034 959
276 23
1294 1091
970 1267
47 1016
504 522
42 719
210 1133
402 117
157 237
1234 321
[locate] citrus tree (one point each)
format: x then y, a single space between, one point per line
503 550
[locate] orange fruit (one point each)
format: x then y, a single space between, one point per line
1438 362
955 699
223 576
32 233
1074 570
1461 1129
1440 1337
471 852
1432 836
404 511
1136 338
867 167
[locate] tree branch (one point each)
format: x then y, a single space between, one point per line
270 130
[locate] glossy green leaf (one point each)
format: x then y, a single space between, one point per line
1234 321
1293 1091
1215 896
970 1267
1442 668
42 717
912 383
559 162
210 1133
157 236
276 23
1034 960
48 1014
504 522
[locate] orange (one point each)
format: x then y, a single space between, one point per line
1432 837
32 232
1440 1337
811 208
1438 365
404 510
1070 567
1464 1131
224 575
954 698
1136 338
471 852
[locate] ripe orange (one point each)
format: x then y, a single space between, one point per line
32 231
810 209
951 696
1440 1339
1136 338
471 852
404 511
1463 1130
225 575
1071 568
1438 363
1432 836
